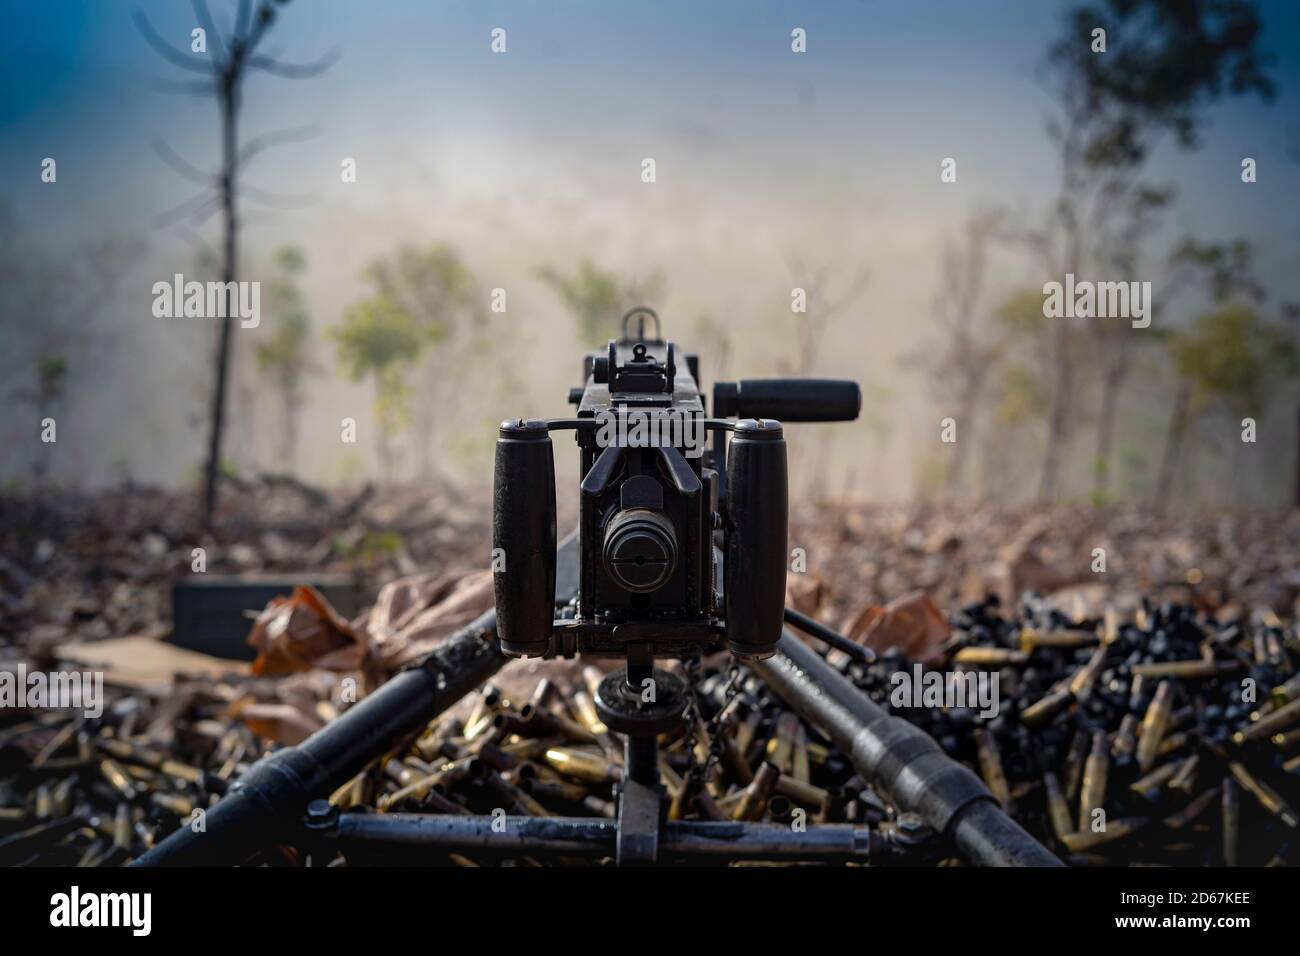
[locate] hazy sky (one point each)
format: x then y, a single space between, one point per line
533 158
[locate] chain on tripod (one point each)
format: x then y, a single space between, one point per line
714 728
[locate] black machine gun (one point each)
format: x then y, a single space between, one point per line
680 552
682 541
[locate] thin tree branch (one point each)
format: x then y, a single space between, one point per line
259 144
293 71
182 167
241 20
194 240
192 207
277 200
164 49
205 20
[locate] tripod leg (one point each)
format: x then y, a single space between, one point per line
640 805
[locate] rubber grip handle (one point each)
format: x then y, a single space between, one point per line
788 399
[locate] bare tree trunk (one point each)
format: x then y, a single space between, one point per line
1111 386
290 448
1295 499
217 412
957 472
1173 447
1058 418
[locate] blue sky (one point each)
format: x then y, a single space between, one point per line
533 157
580 78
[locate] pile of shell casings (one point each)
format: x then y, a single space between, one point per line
79 791
100 792
1168 740
551 755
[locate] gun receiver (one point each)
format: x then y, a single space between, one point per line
682 541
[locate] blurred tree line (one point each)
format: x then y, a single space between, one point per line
1023 382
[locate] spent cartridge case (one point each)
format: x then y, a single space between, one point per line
1057 807
1280 719
1150 785
990 656
582 765
1268 798
1231 817
1287 691
1185 670
1045 708
1074 761
1185 778
1154 724
1092 792
1194 809
1087 839
1085 678
801 792
753 800
1125 740
1031 638
990 760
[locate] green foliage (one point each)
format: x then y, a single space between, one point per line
51 373
284 353
381 339
1226 267
598 298
375 544
1025 395
1163 62
432 284
1021 313
1233 357
1022 389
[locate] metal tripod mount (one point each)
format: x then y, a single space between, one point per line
283 798
641 702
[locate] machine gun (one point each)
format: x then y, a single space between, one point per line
680 552
682 545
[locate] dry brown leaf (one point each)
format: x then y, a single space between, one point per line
415 614
912 623
302 631
284 723
804 593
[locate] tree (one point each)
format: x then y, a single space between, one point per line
383 340
51 305
225 68
822 307
963 361
1019 395
435 286
1229 359
284 352
598 298
1116 342
714 339
1225 271
1162 63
